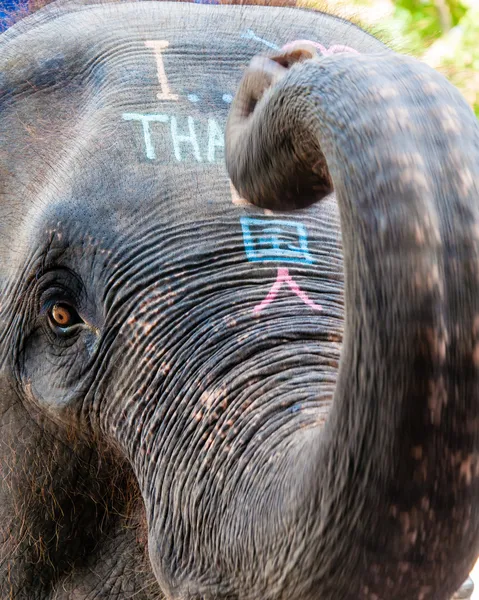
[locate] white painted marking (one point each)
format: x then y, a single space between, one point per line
249 34
145 121
178 139
216 139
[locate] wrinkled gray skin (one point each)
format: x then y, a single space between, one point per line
170 442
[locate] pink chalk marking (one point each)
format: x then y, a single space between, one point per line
284 277
158 46
335 49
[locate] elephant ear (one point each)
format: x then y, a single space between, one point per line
40 100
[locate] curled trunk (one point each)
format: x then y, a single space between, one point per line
389 489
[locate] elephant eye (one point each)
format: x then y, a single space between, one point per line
63 316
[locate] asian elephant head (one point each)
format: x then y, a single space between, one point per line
181 415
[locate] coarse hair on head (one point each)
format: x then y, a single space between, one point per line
31 6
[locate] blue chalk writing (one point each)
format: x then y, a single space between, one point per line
275 240
194 98
249 34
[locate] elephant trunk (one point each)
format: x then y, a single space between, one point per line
390 486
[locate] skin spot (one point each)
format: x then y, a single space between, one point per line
210 399
434 275
430 282
230 321
455 458
411 159
387 93
334 337
416 452
419 280
399 118
419 234
475 355
466 526
466 181
408 523
405 521
475 327
430 88
165 368
425 503
403 567
436 343
468 468
432 228
424 592
437 399
449 120
415 176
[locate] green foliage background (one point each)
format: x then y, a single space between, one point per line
443 33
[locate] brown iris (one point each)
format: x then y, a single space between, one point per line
62 315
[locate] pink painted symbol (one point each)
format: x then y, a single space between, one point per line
284 277
335 49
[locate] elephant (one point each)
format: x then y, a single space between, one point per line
239 326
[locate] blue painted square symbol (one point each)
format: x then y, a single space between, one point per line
275 240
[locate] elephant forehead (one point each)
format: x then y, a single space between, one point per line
117 111
152 55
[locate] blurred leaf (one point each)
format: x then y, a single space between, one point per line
443 33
